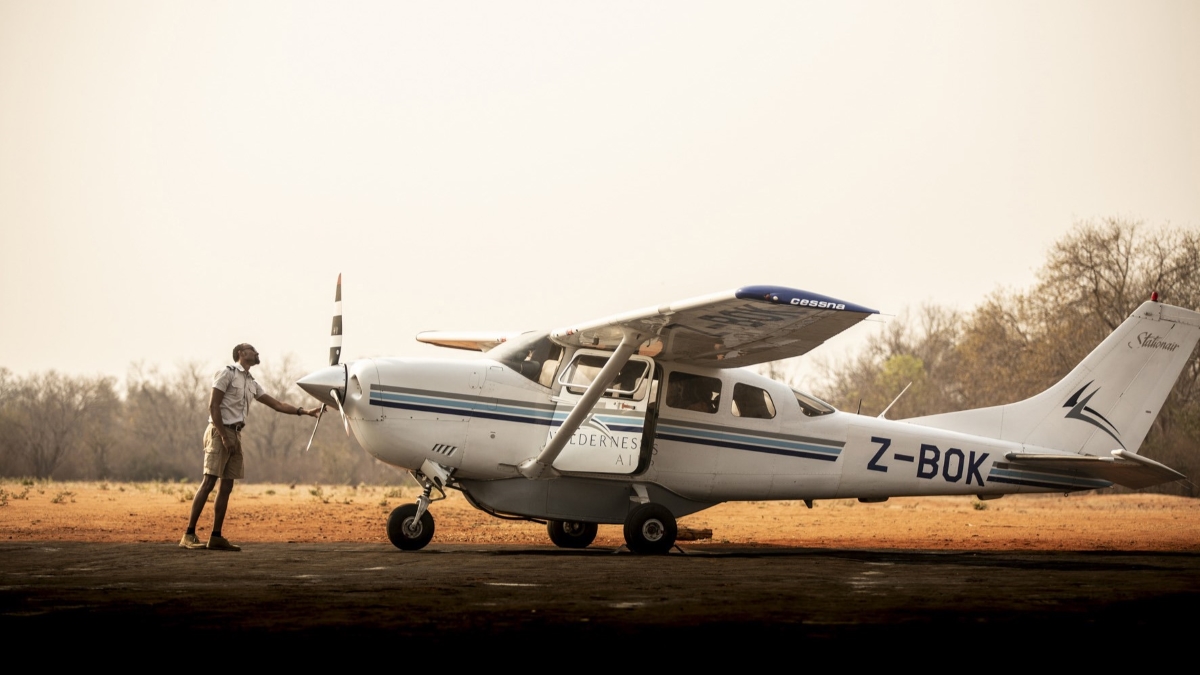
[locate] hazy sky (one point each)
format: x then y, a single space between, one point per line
177 177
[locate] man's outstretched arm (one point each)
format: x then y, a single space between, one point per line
287 408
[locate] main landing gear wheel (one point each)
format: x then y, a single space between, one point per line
571 533
650 530
406 532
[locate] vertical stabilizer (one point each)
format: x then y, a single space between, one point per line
1108 401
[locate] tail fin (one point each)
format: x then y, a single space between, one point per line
1107 402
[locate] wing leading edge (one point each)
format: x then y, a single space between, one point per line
732 329
469 340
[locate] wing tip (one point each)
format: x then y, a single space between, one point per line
783 295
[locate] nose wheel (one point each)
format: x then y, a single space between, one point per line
408 530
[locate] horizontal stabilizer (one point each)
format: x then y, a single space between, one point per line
1122 468
469 340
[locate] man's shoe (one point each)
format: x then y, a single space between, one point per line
190 541
219 543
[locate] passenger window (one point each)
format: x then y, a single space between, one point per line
628 383
694 392
812 406
752 402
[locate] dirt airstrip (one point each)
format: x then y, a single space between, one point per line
157 512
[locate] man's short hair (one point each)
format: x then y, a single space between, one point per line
239 348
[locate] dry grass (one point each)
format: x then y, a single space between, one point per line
158 512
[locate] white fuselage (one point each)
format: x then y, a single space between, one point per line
483 419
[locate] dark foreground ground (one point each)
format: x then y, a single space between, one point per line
452 597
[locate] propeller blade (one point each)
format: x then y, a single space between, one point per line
338 400
314 433
335 333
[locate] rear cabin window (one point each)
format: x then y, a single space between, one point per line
812 406
752 402
698 393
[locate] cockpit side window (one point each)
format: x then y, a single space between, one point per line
693 392
752 402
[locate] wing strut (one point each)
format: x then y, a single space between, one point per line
533 468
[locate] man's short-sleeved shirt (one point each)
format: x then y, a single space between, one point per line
239 388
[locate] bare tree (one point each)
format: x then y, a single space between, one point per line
166 415
1106 269
10 463
48 415
916 351
104 432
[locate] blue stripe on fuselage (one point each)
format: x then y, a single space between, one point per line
774 445
505 412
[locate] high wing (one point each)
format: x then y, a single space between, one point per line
469 340
731 329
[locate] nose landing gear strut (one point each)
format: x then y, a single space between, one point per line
410 526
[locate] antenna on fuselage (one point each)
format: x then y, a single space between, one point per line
889 407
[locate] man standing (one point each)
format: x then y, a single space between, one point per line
232 390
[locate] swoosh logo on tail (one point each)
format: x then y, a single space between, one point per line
1079 410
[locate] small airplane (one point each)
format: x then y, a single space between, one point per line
645 417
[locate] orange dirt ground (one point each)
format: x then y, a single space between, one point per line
158 512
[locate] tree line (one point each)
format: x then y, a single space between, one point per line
1014 344
66 427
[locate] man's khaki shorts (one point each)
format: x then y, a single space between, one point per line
220 461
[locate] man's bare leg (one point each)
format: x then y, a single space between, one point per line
221 503
190 540
199 500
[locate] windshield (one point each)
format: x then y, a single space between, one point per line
532 355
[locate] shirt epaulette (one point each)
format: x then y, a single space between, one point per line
230 367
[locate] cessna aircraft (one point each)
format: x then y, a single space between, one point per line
645 417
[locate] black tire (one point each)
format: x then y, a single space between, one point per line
650 529
404 533
571 533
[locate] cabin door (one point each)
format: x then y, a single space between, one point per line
610 439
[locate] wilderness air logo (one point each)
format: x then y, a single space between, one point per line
1079 410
